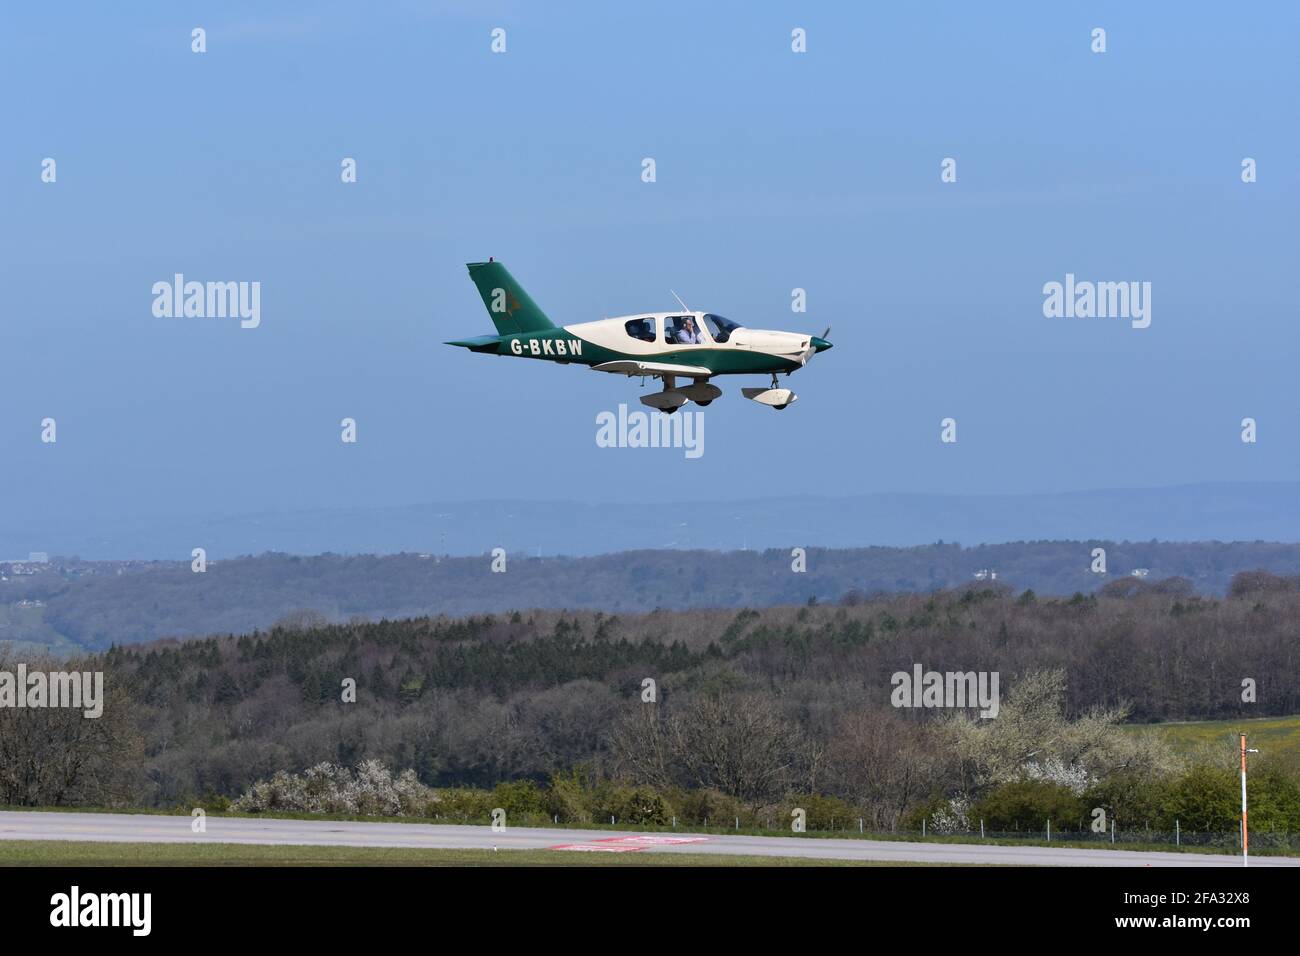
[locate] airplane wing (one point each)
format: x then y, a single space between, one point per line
633 367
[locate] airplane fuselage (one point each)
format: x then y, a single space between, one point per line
745 351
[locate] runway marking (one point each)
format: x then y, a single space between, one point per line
594 848
627 844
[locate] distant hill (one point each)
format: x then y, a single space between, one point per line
1197 512
69 604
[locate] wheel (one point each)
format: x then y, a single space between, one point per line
779 407
702 404
669 411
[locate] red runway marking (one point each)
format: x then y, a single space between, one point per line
627 844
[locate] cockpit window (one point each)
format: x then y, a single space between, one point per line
643 329
682 330
719 327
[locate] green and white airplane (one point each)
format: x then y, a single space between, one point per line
665 345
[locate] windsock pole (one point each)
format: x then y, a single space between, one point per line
1245 832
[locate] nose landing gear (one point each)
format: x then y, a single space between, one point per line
777 398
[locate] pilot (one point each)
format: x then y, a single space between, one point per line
687 334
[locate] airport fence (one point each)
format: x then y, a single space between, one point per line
1115 835
1229 841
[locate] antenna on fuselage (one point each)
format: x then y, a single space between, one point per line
685 307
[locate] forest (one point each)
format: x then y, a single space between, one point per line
751 705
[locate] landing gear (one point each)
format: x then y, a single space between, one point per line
665 401
773 397
674 397
783 404
701 392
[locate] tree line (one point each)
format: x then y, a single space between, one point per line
97 604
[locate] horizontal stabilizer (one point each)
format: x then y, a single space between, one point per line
479 343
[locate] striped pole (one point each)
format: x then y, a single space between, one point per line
1245 833
1245 860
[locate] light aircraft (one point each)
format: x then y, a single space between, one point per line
664 345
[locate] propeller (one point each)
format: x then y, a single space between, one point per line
811 350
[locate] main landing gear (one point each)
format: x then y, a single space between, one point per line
674 397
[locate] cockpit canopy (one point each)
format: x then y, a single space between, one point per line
685 329
719 327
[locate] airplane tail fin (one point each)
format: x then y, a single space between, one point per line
511 308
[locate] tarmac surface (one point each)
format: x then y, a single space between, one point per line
148 828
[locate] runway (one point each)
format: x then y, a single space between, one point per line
145 828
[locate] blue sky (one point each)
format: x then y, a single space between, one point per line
774 171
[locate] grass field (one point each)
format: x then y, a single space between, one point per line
69 853
1276 736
